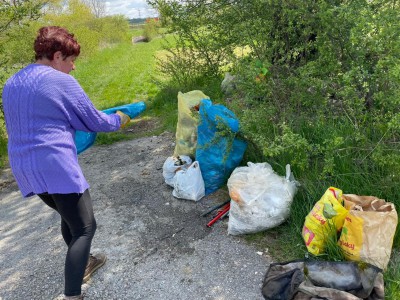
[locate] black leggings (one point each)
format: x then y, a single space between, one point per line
78 226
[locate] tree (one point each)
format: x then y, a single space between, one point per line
15 15
18 12
97 7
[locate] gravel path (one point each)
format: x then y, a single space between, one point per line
158 247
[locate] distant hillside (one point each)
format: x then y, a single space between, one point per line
137 21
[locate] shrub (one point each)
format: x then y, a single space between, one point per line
312 65
150 29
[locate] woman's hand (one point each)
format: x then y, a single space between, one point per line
124 118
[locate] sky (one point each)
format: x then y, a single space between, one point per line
130 8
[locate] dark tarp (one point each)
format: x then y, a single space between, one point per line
306 280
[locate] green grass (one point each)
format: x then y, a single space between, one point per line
392 277
127 73
3 152
122 74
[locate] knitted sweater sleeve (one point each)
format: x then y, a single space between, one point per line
80 111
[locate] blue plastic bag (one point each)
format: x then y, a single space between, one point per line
218 151
84 140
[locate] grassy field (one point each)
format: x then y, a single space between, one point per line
126 73
120 74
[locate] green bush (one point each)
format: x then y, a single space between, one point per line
91 32
338 92
15 18
320 86
150 29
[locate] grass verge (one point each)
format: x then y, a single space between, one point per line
126 73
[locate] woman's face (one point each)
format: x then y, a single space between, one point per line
65 65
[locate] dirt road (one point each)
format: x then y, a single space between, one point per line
158 247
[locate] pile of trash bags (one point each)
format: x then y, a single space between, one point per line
206 134
208 154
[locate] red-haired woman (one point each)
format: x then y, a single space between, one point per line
43 107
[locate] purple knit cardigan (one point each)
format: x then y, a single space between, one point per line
43 108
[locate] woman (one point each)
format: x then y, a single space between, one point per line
43 107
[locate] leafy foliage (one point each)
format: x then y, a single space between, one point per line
14 19
319 87
150 29
320 84
91 31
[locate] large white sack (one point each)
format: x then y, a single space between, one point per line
260 199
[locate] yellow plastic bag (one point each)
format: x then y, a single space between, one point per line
186 129
368 230
326 217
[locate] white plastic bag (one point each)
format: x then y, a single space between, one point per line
172 164
260 199
189 183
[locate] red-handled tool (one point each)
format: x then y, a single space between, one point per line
219 215
215 207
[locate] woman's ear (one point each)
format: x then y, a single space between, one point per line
57 55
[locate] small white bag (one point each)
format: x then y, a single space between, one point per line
189 183
260 199
172 164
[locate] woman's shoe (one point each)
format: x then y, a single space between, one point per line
95 262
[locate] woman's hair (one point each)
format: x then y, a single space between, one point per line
51 39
